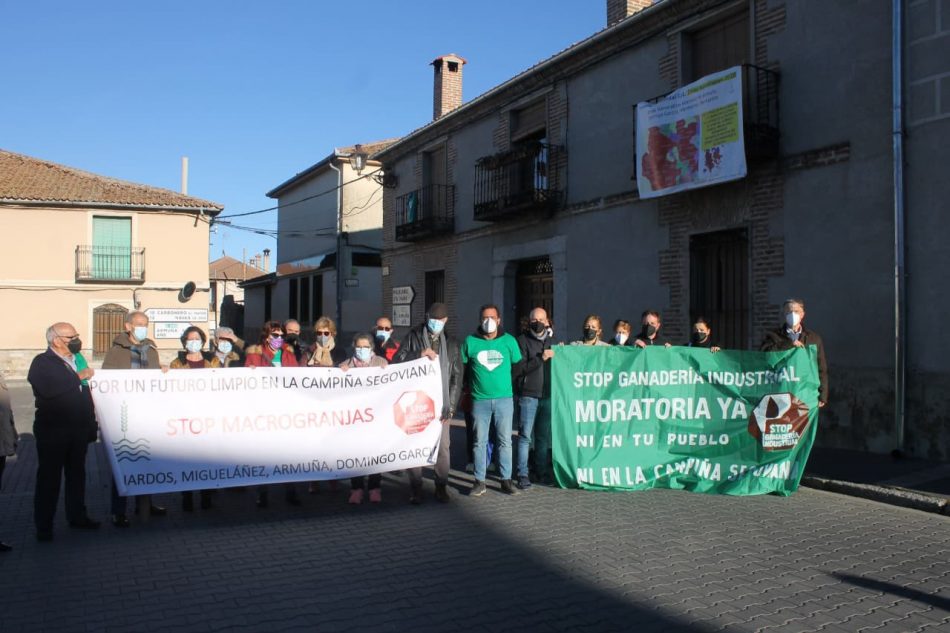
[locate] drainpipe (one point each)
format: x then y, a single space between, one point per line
900 291
339 244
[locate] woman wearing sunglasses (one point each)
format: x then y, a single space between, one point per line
325 351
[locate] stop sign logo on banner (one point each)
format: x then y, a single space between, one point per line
414 411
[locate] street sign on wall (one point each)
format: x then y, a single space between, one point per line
402 315
169 330
403 295
177 315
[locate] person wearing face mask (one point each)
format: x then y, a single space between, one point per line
272 350
650 324
65 418
292 338
430 340
225 347
325 352
621 333
591 332
532 378
383 342
193 340
489 355
793 333
702 336
132 349
364 356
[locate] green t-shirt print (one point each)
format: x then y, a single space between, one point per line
490 361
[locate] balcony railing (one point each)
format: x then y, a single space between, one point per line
522 181
110 263
425 213
760 112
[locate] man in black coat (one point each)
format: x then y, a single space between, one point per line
794 334
65 423
532 380
650 324
430 340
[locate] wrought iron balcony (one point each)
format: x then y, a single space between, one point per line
760 112
519 182
425 213
110 264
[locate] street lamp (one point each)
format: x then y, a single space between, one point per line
358 159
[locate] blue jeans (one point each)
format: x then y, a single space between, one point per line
535 432
503 410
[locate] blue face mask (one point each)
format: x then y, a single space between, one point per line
382 335
193 346
363 354
224 347
140 332
435 326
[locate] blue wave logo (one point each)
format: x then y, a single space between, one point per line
127 450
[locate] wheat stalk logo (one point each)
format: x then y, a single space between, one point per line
130 450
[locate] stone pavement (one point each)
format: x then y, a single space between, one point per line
544 560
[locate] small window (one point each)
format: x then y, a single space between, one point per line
435 287
531 121
718 46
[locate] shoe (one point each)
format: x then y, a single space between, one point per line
415 495
356 497
442 493
157 511
292 499
375 495
548 480
507 487
44 536
261 500
523 483
188 502
470 467
120 521
478 489
85 524
4 547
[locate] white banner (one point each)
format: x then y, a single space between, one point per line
216 428
693 137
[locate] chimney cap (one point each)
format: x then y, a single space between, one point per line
452 57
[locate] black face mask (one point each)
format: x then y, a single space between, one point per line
74 346
698 337
590 334
647 331
290 339
537 327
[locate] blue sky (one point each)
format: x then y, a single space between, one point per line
251 92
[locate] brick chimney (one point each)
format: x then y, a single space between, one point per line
619 9
447 87
266 267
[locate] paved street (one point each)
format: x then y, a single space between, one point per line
544 560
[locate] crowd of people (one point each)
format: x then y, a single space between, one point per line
490 376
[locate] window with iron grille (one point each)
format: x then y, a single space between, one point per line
435 287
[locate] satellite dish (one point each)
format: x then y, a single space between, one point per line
186 292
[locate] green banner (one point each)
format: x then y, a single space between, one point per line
731 422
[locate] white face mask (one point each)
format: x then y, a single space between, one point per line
792 319
193 346
620 337
140 332
489 326
224 347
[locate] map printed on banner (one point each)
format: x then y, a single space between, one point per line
693 137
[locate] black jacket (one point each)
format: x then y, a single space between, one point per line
532 374
659 339
64 407
777 341
411 348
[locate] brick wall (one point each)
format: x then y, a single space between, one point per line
447 85
619 9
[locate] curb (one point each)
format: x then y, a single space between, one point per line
883 494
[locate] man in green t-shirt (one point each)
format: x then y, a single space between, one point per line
488 355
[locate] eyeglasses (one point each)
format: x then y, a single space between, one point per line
276 334
384 329
322 332
68 338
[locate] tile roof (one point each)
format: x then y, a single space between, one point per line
28 179
228 267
